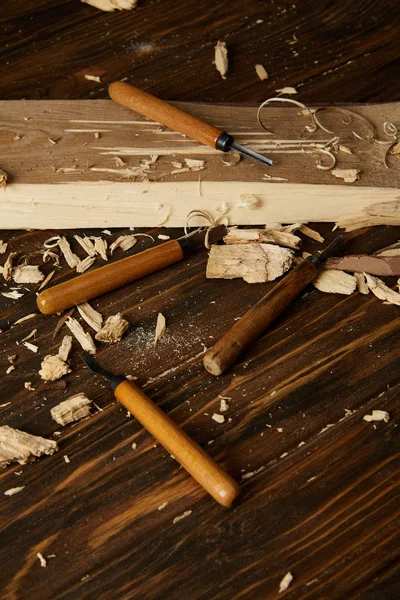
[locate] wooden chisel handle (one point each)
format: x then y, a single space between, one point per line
110 277
193 458
253 324
147 105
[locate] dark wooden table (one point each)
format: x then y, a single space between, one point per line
323 498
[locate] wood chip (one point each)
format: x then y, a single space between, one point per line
85 264
255 263
163 505
221 59
286 581
28 386
8 266
113 329
26 318
13 491
224 406
311 233
29 336
93 78
10 369
335 282
194 164
395 149
31 347
3 179
160 328
18 446
218 418
53 368
187 513
42 560
363 263
361 283
249 201
349 175
51 256
11 358
261 72
161 236
84 339
65 348
125 242
14 295
287 90
46 280
86 244
111 5
269 236
3 247
381 290
72 409
27 274
71 258
90 315
101 247
377 415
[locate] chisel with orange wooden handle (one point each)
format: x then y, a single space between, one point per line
194 459
95 283
153 108
255 322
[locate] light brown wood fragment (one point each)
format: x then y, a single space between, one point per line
71 258
28 386
255 263
14 295
187 513
287 90
311 233
161 327
101 247
125 242
349 175
249 201
27 274
86 244
218 418
3 247
26 318
53 368
65 348
93 78
361 283
111 5
8 266
18 446
119 162
363 263
395 149
13 491
377 415
46 280
194 164
221 59
49 255
85 264
72 409
31 347
335 282
90 315
261 72
11 358
42 560
381 290
10 369
286 581
29 336
84 338
268 236
3 179
113 329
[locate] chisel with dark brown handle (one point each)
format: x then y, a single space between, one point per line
255 322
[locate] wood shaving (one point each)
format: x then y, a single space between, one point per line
11 358
85 264
97 135
163 505
3 247
361 283
29 336
224 406
161 236
53 368
311 233
335 282
261 72
18 446
395 149
28 386
42 560
66 458
221 59
218 418
125 242
86 244
286 581
10 369
84 339
93 78
349 175
31 347
3 179
177 165
187 513
194 164
249 201
267 236
51 256
14 295
71 258
178 171
90 315
61 321
235 156
65 348
381 290
134 446
46 280
363 263
72 409
255 263
101 247
344 149
161 326
113 329
27 274
377 415
8 266
26 318
287 90
119 163
13 491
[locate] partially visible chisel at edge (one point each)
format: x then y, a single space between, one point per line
255 322
100 281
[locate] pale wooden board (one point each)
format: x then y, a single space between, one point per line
40 194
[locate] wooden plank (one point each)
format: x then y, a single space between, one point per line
76 182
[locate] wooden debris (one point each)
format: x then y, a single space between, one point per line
85 264
18 446
3 247
311 233
10 369
71 258
28 386
187 513
335 282
72 409
14 295
381 290
11 358
93 78
287 90
160 328
53 368
8 266
86 244
31 347
349 175
194 164
27 274
125 242
163 505
13 491
161 236
261 72
377 415
224 406
3 179
26 318
46 280
111 5
255 263
286 581
101 247
65 348
28 337
218 418
270 236
221 59
49 255
249 201
363 263
84 339
90 315
395 149
113 329
42 560
66 458
361 283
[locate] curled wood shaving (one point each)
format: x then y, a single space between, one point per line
3 247
287 90
349 175
65 348
261 72
3 179
286 581
125 242
49 255
27 274
90 315
86 244
13 491
71 258
18 446
249 201
84 339
311 233
309 128
46 280
350 115
361 283
377 415
85 264
161 327
221 59
235 156
113 329
72 409
335 282
381 290
8 266
52 242
269 236
53 368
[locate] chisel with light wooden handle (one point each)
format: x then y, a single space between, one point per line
194 459
153 108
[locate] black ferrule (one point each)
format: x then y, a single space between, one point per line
186 245
224 142
115 381
314 261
